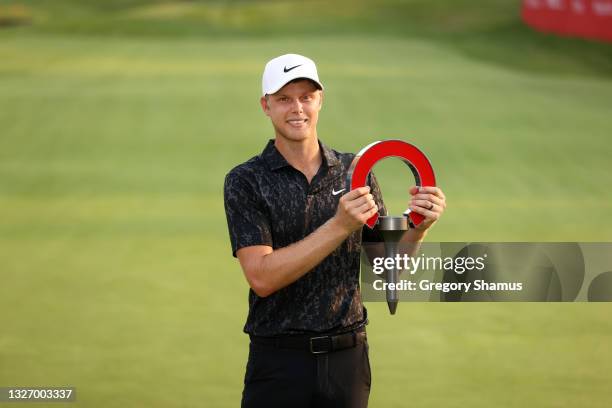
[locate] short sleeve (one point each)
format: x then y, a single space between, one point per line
369 235
247 222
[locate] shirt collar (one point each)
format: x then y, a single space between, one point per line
275 159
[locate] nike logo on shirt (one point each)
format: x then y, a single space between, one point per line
334 192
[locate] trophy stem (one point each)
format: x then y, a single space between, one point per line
392 230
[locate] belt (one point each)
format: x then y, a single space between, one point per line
314 344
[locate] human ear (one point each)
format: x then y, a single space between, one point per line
264 105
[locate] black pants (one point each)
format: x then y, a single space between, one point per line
280 377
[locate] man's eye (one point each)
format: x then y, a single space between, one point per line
307 98
284 99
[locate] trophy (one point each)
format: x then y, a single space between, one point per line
391 228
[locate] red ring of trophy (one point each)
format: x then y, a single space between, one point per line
368 156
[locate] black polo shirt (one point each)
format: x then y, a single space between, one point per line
268 202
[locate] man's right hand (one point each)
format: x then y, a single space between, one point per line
355 208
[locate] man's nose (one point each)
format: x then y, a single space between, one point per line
296 105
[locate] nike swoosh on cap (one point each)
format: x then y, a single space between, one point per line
285 69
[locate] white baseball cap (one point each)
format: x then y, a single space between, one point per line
281 70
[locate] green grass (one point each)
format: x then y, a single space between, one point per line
116 269
484 30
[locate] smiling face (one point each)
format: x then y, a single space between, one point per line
294 110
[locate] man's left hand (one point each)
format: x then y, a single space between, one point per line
430 202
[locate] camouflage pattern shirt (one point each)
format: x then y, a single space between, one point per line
268 202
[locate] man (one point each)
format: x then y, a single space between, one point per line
297 234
